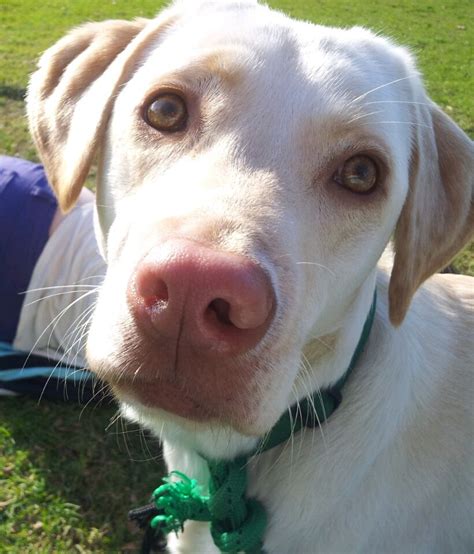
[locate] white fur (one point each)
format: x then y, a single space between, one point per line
389 471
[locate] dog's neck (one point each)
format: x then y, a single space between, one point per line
329 356
317 407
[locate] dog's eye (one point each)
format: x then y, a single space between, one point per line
167 113
358 174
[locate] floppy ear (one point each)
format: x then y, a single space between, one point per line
437 219
70 96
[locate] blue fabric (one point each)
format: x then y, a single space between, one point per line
27 207
41 377
47 372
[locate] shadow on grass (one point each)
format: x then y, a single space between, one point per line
68 480
13 93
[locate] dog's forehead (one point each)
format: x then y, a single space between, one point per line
268 45
244 35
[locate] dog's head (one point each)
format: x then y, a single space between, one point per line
252 169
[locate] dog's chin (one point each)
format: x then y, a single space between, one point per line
188 406
163 397
212 438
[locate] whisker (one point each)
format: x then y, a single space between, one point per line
53 325
144 441
73 330
396 102
41 289
402 122
54 322
98 276
321 341
97 393
307 366
299 414
362 96
113 420
317 265
53 295
78 338
125 437
286 444
67 366
364 115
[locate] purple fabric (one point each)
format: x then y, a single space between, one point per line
27 207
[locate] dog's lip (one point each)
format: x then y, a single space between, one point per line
164 396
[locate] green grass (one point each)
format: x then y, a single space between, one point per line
66 481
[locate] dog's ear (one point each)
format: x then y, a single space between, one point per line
438 216
70 96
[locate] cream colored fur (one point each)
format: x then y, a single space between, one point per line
276 105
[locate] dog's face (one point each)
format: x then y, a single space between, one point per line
252 171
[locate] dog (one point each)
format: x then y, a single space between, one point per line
252 170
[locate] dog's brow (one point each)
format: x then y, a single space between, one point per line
226 63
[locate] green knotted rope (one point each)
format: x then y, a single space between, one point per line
238 523
179 499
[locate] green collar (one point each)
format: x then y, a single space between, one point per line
313 410
238 523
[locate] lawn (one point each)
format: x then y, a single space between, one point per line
68 475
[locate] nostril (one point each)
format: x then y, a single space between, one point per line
219 309
239 314
154 292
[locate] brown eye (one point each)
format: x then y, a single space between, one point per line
167 113
358 174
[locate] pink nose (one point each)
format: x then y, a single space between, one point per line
208 300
